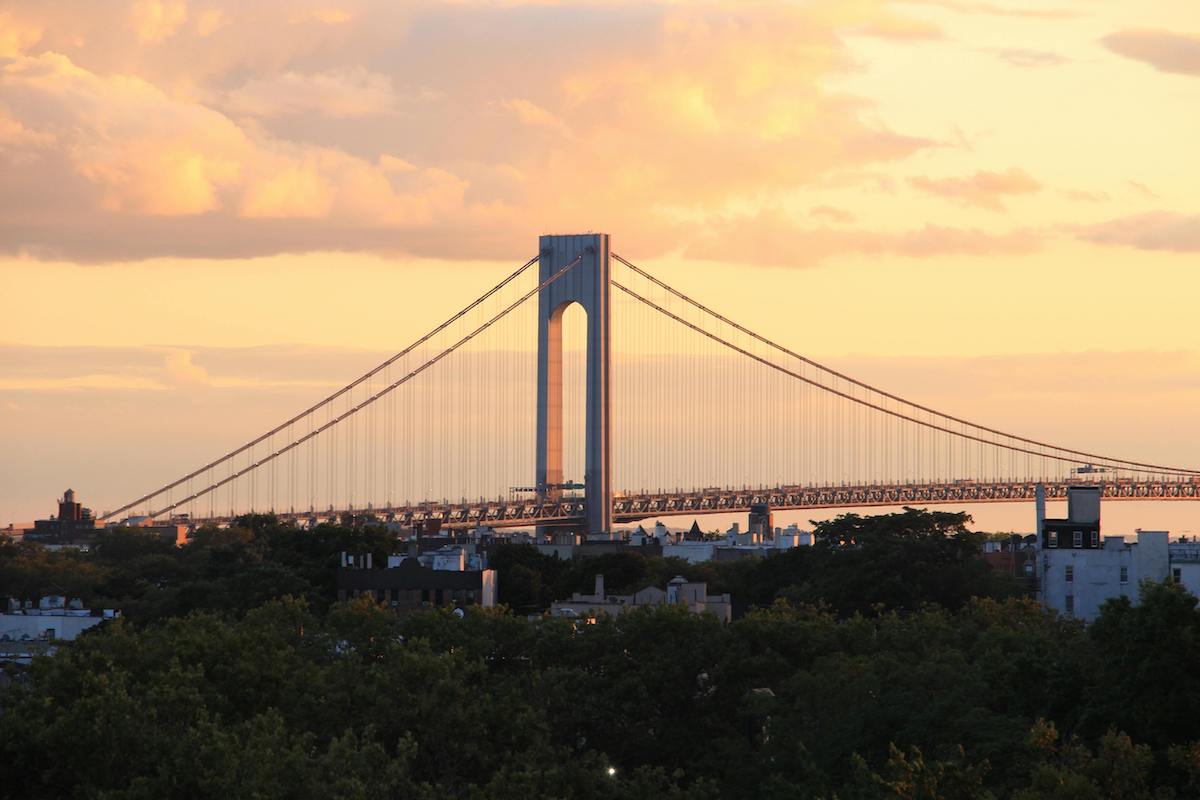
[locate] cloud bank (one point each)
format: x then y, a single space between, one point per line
435 129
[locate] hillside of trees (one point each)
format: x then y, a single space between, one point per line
885 662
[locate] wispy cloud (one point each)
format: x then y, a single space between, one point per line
91 382
1084 196
30 368
1026 57
982 189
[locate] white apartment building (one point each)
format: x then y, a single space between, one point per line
1077 581
1078 570
26 630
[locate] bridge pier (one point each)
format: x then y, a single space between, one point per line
588 284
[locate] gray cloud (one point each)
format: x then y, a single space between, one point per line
1164 50
1157 230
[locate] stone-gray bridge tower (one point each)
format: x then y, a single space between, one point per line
587 283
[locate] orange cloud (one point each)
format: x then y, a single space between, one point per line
17 35
210 20
143 153
139 151
832 214
983 189
19 142
155 20
181 136
536 116
293 190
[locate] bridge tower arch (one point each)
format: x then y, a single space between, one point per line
588 284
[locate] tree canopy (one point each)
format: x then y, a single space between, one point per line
883 662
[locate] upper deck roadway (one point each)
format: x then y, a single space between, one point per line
631 507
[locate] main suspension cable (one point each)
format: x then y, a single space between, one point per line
838 392
368 401
1092 457
330 398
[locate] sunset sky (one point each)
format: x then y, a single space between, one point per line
212 212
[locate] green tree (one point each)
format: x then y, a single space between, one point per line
1146 649
910 776
1069 770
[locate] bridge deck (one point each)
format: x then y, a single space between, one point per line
634 507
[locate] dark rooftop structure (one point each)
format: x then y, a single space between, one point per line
411 585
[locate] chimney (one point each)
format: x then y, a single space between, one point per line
600 587
673 589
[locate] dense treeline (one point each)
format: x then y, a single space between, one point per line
858 564
785 702
894 561
210 689
230 570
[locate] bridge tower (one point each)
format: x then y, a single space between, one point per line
587 283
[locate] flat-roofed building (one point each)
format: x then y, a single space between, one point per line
1078 570
692 594
408 584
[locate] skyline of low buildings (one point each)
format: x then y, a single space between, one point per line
692 595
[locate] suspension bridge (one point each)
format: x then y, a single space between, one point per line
582 391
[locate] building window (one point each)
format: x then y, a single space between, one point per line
1124 574
1070 574
1071 604
1095 538
1177 575
1078 539
1052 539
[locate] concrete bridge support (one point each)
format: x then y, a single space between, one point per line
587 284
